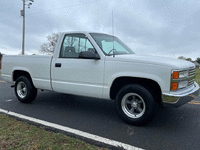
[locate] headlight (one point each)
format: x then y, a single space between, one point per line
183 74
182 84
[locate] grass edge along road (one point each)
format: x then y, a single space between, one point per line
16 134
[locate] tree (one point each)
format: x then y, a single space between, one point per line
1 55
188 59
198 60
49 47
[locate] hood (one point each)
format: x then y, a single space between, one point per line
153 60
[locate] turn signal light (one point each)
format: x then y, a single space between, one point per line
175 75
174 86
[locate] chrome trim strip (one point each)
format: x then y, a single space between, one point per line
5 75
183 79
77 84
46 80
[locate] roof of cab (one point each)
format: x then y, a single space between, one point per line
84 32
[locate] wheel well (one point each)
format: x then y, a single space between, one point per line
151 85
18 73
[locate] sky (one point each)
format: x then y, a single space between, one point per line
169 28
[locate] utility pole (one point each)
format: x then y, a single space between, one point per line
23 36
23 15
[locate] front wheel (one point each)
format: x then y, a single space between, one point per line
135 104
25 90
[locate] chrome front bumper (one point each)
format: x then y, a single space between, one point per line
179 100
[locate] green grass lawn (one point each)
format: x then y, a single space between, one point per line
197 79
15 134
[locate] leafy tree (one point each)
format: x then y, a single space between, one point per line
198 60
49 47
188 59
1 55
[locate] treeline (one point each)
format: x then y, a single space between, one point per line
189 59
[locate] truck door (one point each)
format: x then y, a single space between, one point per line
73 75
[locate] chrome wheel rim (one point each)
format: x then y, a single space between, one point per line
21 89
133 105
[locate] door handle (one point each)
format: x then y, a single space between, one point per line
58 65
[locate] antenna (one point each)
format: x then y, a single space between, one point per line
113 34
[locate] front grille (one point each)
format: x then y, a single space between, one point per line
190 82
192 73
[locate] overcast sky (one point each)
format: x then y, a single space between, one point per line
156 27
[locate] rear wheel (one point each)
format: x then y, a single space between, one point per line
25 90
135 104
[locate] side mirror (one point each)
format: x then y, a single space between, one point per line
88 55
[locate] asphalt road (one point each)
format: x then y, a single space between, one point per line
172 128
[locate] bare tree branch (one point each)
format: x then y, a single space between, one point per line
48 48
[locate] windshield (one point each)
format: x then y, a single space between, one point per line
111 45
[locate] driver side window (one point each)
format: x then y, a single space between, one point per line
73 44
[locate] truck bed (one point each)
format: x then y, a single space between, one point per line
38 67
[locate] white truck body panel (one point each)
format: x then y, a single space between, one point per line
134 69
37 66
75 77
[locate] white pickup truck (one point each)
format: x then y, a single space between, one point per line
100 65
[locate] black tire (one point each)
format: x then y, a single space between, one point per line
25 90
135 104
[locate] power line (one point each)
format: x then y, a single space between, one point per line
62 8
55 9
